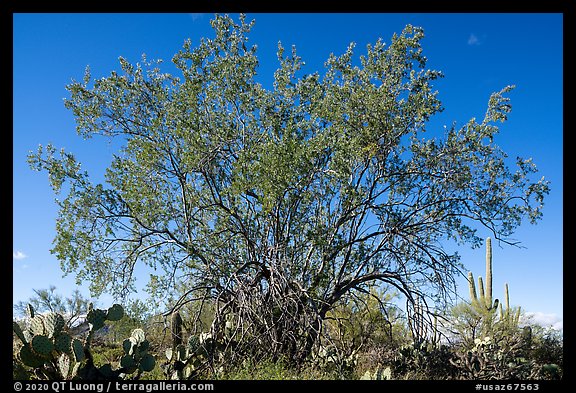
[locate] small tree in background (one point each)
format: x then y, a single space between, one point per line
48 300
136 316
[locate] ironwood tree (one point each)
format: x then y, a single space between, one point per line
274 203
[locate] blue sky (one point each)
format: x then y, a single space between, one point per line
478 53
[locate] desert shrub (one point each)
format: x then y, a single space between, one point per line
546 352
424 361
281 369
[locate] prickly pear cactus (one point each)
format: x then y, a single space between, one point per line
136 356
128 346
77 350
37 325
184 361
42 345
107 372
138 335
52 353
53 324
30 310
128 362
29 358
115 313
169 353
181 353
96 318
147 362
64 365
383 374
18 331
63 343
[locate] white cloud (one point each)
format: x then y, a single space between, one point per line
547 320
18 255
473 40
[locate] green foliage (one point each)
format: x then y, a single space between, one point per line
498 360
267 369
361 321
494 345
106 353
424 361
135 314
261 370
543 350
532 352
366 319
324 179
332 360
279 202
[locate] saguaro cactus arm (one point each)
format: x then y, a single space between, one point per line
472 287
176 329
488 272
507 296
481 290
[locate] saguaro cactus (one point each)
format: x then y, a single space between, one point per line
176 329
485 298
506 315
483 304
